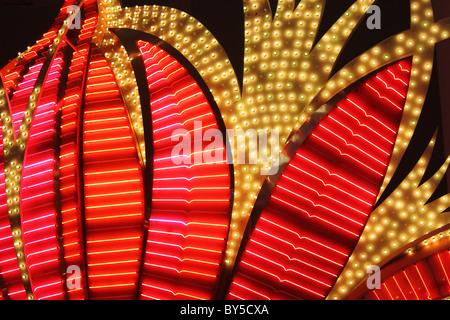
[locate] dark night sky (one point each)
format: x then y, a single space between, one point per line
22 22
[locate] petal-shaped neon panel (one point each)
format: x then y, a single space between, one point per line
324 196
191 197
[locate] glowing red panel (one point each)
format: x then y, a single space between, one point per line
38 207
439 264
113 188
71 211
13 76
322 200
69 159
190 200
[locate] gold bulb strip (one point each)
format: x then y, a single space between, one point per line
325 54
306 19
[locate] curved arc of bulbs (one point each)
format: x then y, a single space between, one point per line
116 17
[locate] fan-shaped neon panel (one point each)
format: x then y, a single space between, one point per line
191 195
38 207
322 200
113 188
71 188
